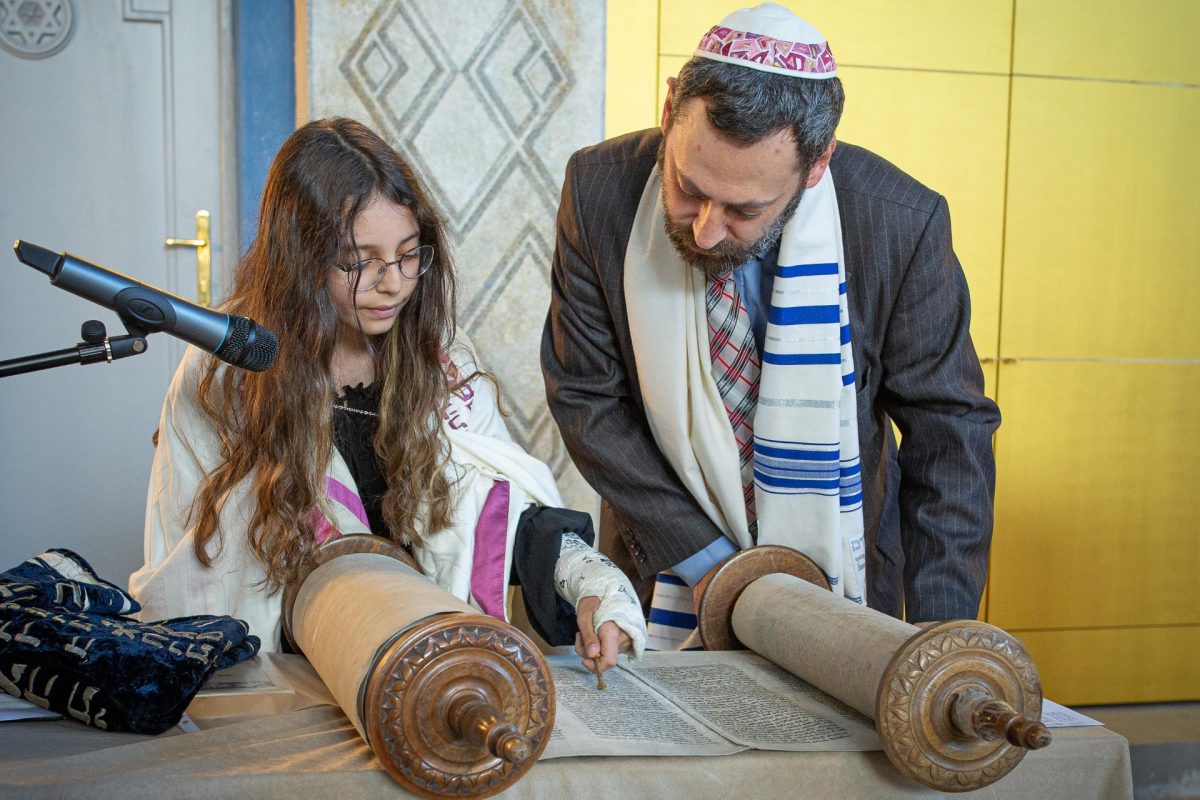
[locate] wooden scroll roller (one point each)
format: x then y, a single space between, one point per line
956 704
453 703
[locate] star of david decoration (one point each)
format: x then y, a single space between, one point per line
35 28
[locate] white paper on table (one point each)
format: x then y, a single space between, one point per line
14 708
1057 716
253 675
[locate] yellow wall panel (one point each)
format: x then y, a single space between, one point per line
630 63
1103 239
1096 496
1118 665
926 34
1148 40
949 132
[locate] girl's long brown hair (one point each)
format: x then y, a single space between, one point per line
275 427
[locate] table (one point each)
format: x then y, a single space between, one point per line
299 745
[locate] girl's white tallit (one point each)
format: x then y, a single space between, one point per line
173 583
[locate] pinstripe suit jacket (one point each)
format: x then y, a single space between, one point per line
927 505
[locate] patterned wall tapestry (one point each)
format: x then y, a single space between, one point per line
488 98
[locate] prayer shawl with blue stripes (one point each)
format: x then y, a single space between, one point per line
807 480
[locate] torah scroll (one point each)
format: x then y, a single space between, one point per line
957 704
452 703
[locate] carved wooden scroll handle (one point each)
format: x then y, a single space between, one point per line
957 705
472 717
460 705
976 713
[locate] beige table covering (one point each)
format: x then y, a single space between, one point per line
298 745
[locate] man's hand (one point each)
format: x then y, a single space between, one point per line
605 643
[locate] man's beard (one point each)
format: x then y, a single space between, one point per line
722 259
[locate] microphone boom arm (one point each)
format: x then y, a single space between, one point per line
95 347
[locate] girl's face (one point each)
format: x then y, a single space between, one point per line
384 230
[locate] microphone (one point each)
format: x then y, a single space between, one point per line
235 340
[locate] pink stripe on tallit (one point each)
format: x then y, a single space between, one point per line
344 496
488 579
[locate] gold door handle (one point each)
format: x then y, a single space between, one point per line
203 245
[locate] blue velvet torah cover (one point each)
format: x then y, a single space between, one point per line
67 644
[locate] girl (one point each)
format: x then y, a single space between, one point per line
374 417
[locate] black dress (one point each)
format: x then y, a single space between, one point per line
539 532
355 420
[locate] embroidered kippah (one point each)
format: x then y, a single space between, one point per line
770 38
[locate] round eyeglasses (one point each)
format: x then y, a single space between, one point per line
365 275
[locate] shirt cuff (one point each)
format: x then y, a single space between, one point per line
694 567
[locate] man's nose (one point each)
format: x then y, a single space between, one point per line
708 228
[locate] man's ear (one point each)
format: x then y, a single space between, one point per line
666 110
818 169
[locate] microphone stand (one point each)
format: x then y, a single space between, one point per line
95 347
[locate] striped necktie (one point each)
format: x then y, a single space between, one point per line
735 368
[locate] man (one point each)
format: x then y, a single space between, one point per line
740 304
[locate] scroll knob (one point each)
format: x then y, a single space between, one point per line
978 714
478 721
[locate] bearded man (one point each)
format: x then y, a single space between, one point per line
741 307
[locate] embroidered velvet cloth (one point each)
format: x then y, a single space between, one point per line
66 644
